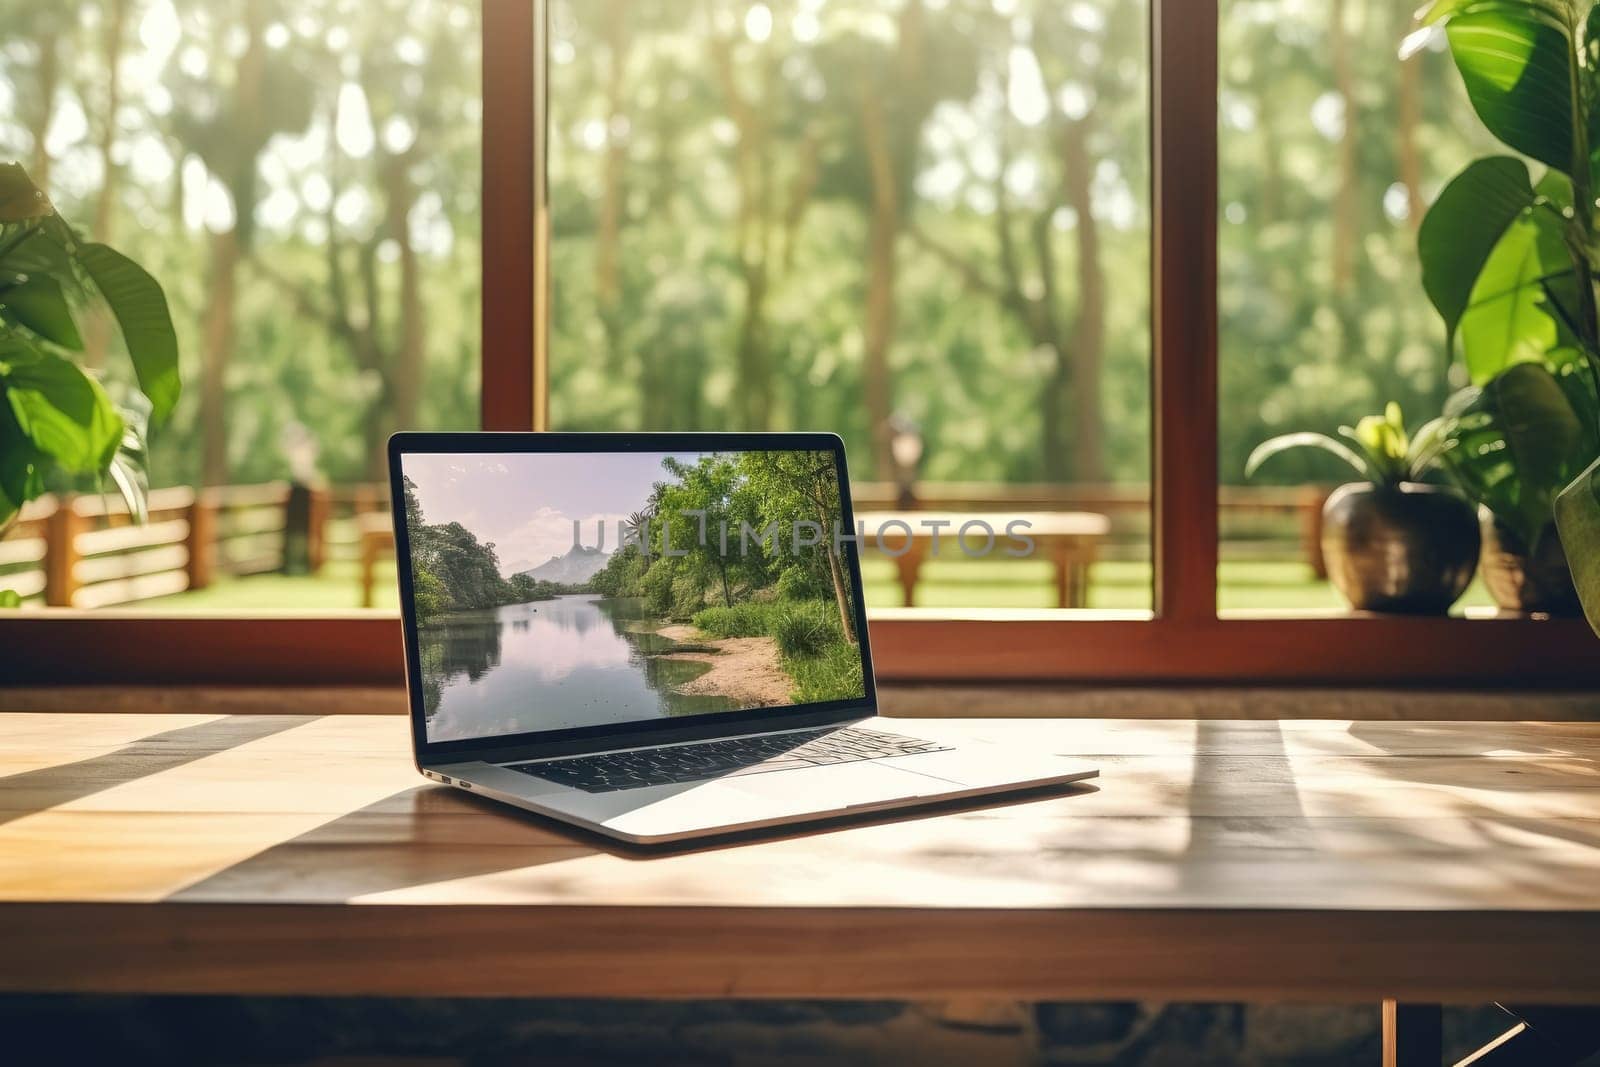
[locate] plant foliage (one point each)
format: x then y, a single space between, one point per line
1510 264
55 416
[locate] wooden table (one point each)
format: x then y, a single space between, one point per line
1069 539
1213 860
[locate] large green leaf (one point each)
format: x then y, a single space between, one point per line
1515 60
1517 442
63 412
41 305
140 307
1577 509
1505 321
1462 228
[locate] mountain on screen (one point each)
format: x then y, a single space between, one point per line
575 568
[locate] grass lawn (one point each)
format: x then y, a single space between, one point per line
958 583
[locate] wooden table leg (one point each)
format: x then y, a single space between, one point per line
1413 1035
1063 559
369 563
909 563
1072 574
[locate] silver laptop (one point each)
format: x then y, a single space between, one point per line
657 636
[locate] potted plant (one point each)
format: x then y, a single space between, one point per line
1509 262
57 421
1392 542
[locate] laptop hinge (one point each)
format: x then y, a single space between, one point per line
491 753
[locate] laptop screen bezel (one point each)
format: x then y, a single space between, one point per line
573 738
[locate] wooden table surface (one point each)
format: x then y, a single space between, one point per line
1212 860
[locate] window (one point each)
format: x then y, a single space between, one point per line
304 180
875 217
1330 148
546 284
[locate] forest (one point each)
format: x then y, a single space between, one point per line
451 570
800 596
764 215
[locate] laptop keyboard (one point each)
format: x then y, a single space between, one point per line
610 771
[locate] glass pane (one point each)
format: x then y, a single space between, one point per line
1331 148
923 225
302 177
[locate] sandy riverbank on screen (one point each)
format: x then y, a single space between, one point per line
745 669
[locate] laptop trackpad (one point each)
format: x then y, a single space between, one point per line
827 788
764 797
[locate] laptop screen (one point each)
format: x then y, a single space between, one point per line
555 591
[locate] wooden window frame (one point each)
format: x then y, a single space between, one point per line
1183 641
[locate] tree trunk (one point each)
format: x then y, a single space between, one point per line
847 620
752 240
1089 329
1054 401
609 227
754 373
97 331
883 231
39 122
406 375
217 346
106 199
1410 108
1346 225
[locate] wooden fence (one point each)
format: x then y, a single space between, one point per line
86 551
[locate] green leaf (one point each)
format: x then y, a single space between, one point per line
1505 321
1563 11
1461 229
1427 447
1577 510
1307 439
1515 60
130 471
1576 376
1517 442
20 479
20 199
64 413
41 305
140 307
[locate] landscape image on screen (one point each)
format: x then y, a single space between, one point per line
556 591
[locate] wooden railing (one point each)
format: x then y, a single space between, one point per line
86 551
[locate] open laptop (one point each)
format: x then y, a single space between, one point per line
656 636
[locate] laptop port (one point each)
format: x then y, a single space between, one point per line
445 778
463 785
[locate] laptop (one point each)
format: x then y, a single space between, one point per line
657 637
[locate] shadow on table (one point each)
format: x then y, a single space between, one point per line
1230 800
47 787
428 835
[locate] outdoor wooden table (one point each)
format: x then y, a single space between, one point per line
377 539
1069 539
1306 860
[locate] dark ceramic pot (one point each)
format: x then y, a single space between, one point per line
1409 548
1524 582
